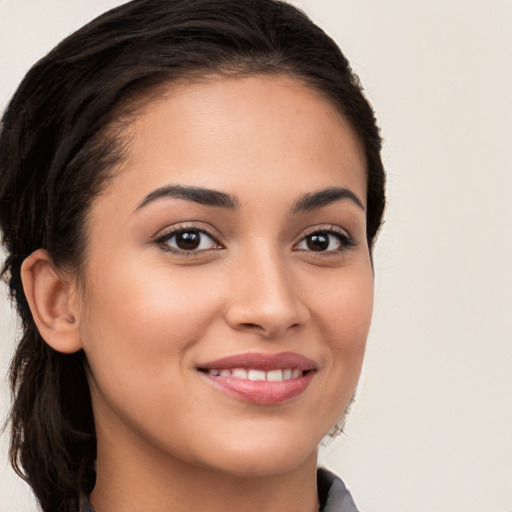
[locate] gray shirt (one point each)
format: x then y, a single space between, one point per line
332 493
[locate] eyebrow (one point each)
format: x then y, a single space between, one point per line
199 195
209 197
325 197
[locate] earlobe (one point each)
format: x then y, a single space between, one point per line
49 296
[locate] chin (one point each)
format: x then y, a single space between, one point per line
264 456
267 465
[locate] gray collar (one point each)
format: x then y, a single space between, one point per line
333 495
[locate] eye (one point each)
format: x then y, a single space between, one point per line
325 241
188 240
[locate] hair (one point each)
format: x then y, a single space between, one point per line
61 137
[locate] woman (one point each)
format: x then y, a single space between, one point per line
190 194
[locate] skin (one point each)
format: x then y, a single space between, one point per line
147 314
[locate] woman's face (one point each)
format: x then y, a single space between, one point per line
228 284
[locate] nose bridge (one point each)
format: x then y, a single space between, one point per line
265 294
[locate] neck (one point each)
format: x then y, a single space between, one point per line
138 479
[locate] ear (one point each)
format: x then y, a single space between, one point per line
51 296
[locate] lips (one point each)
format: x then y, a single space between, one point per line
261 379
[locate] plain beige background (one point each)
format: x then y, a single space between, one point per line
432 428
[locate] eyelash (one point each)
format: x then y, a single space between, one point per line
163 240
344 239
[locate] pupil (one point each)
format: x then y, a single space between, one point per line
318 242
188 240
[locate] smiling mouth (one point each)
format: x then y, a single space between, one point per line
261 379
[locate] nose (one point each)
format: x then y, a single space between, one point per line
264 298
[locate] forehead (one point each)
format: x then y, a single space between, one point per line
241 134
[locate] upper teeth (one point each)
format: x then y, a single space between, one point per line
253 374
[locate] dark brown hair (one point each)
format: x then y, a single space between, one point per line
58 144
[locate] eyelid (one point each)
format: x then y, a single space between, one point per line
347 241
171 231
325 227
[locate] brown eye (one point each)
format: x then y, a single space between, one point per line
325 241
188 240
318 242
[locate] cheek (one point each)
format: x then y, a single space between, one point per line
354 306
344 306
345 319
139 314
139 334
344 312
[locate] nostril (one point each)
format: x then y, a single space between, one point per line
266 331
250 325
267 319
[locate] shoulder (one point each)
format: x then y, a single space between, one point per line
334 496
